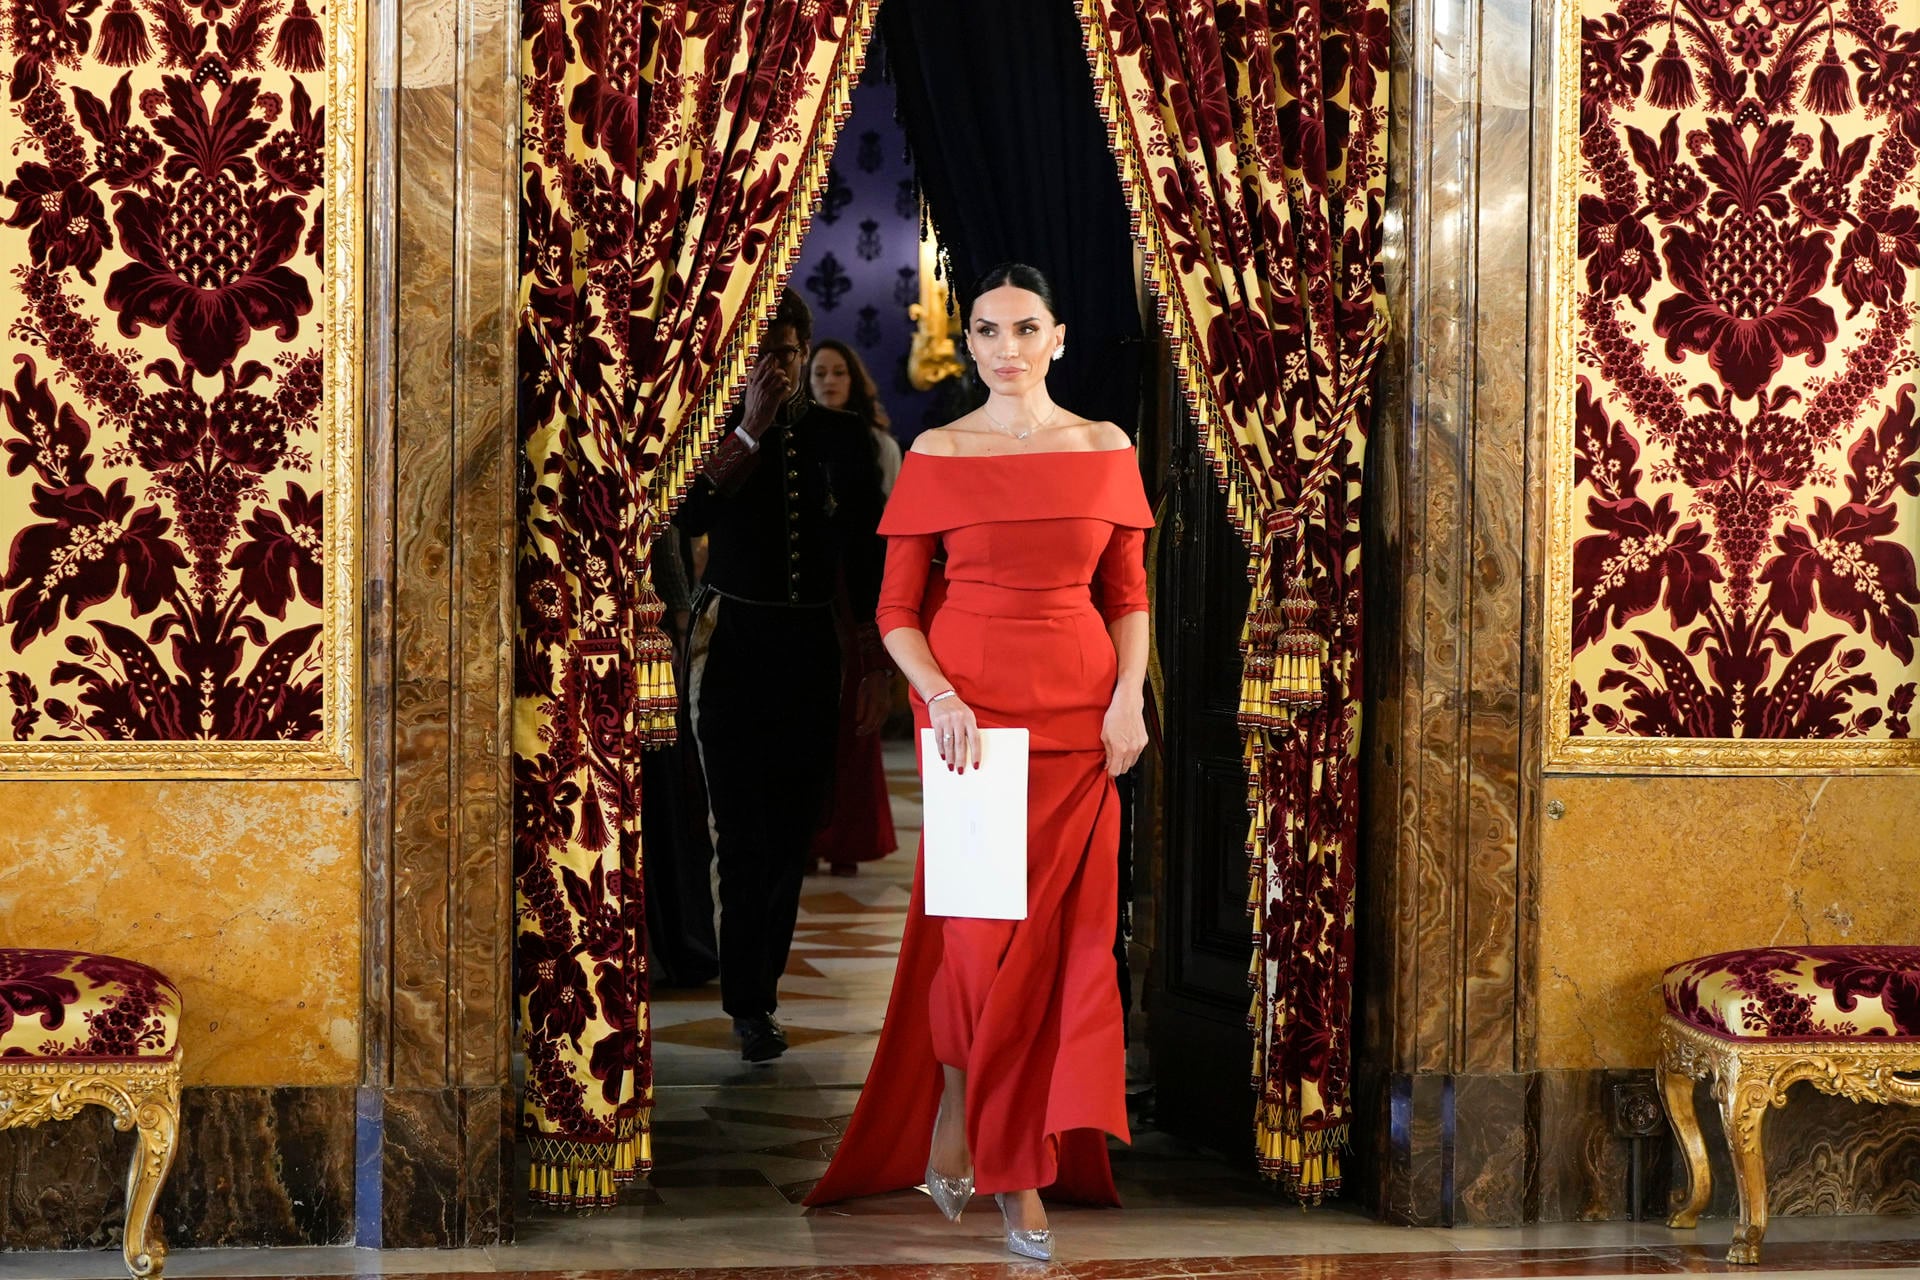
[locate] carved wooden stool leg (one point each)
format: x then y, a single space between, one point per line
157 1120
1744 1101
1678 1090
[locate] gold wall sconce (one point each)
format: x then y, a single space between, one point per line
934 356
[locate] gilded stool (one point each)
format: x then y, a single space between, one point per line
79 1029
1754 1023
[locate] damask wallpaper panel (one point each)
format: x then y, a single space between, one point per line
1735 440
859 267
179 225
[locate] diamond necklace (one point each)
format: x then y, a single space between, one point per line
1009 432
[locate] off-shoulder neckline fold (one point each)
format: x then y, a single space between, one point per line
1040 453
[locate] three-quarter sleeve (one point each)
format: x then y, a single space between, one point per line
904 584
1120 579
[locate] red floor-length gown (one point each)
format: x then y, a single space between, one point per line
1042 551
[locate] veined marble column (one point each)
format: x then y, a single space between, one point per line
435 1114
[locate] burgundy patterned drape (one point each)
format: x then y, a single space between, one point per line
671 153
1251 139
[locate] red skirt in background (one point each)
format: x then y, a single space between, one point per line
859 819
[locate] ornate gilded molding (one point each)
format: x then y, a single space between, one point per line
333 467
1750 1078
1566 751
143 1096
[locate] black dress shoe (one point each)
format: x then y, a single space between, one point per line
761 1039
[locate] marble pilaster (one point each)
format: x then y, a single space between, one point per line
435 1118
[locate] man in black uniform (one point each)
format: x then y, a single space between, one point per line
789 502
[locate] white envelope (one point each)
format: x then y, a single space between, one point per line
975 828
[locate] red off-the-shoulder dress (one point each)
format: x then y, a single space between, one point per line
1043 551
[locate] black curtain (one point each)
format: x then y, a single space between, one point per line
1009 149
997 103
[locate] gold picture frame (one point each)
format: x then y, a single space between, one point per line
336 464
1565 752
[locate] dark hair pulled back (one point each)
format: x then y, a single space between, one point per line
1020 276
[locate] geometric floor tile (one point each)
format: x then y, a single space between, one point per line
717 1033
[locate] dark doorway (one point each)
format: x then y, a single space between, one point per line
1198 1038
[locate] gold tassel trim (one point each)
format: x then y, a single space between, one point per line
569 1174
687 448
1284 673
633 1154
1300 654
572 1186
1306 1164
655 700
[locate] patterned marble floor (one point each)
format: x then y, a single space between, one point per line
737 1145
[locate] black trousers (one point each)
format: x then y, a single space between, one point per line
766 708
677 867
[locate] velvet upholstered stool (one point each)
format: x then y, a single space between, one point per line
78 1029
1754 1023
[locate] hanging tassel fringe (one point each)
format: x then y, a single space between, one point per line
1283 675
656 702
1300 654
1306 1164
588 1175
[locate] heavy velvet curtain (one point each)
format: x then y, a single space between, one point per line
672 151
997 103
1251 142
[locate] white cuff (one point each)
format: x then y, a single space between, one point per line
748 439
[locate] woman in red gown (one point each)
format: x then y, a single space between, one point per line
1003 1038
859 821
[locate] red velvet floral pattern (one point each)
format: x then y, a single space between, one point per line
74 1004
163 522
669 155
1746 451
1252 143
1820 993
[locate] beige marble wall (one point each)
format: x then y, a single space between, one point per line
1640 873
245 893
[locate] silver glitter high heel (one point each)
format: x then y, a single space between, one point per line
950 1195
1037 1245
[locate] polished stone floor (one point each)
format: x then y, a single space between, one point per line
737 1145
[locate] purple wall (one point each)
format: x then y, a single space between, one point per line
859 266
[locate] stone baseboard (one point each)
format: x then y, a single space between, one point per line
256 1166
1502 1150
436 1168
393 1168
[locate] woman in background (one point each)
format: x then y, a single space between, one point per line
841 381
859 822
